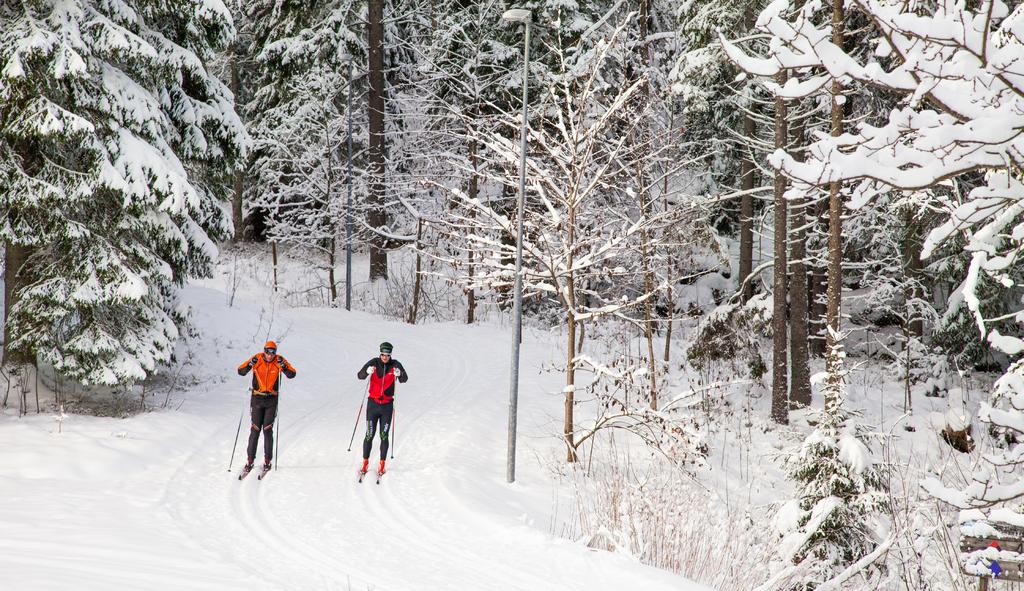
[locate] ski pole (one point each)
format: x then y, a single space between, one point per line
237 433
277 440
394 419
356 426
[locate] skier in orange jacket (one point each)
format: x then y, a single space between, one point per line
266 369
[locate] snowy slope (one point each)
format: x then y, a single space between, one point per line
147 503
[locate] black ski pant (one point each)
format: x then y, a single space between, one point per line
264 411
377 413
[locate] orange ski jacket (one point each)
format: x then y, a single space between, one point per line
266 375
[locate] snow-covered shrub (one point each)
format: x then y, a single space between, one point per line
731 335
663 519
621 389
440 299
929 370
923 556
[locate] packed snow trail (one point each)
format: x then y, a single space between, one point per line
147 502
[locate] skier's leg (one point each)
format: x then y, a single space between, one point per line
372 417
256 410
268 429
387 411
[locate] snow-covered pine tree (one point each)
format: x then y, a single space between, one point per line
830 530
111 129
298 113
714 106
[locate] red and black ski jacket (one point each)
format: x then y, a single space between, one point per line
382 379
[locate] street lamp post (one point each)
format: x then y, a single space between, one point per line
518 15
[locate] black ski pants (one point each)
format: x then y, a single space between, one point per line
377 413
264 411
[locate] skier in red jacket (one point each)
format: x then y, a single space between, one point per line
380 407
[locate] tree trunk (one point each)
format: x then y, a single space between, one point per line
800 389
570 367
332 261
669 275
473 191
377 155
780 377
273 256
332 246
645 262
671 316
507 206
746 216
816 293
746 263
418 283
644 19
237 217
912 271
649 321
14 281
570 385
582 338
833 362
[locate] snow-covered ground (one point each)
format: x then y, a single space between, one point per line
147 503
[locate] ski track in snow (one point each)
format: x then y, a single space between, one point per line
442 517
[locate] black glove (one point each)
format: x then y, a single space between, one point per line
244 370
280 362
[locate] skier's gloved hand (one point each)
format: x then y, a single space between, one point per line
280 362
397 372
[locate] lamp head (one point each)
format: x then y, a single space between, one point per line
516 15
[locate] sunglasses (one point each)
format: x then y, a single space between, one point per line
270 351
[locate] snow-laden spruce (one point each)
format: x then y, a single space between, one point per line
113 134
298 116
830 531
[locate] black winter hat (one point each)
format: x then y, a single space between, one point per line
386 347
